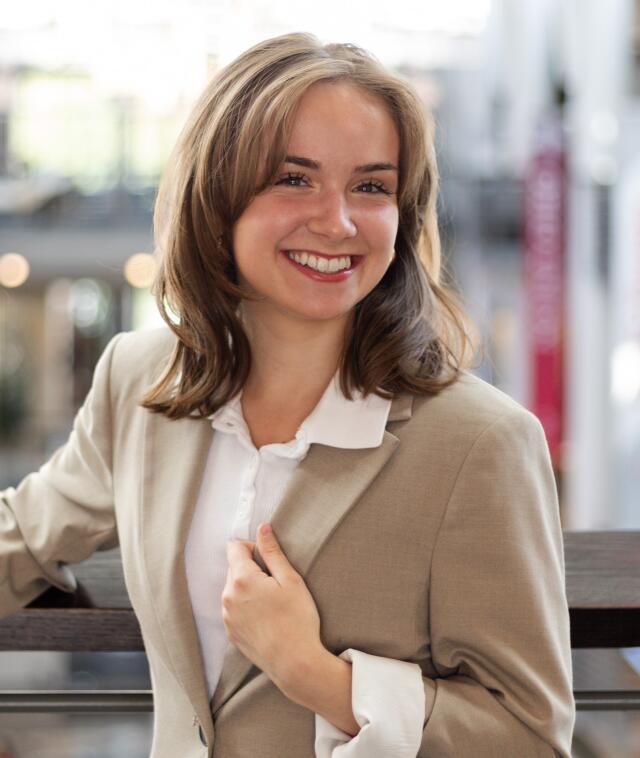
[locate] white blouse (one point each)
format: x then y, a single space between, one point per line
241 488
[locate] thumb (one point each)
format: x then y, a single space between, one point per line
272 553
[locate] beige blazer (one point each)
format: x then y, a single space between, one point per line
441 547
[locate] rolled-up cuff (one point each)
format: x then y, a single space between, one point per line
388 701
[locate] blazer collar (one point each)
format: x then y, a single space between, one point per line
401 407
175 455
321 491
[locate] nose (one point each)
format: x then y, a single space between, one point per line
331 217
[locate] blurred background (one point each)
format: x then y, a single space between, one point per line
537 104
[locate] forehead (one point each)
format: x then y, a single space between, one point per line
341 120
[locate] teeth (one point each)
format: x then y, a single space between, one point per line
323 265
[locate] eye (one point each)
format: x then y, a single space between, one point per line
291 179
373 186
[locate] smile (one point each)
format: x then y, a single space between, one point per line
323 268
318 263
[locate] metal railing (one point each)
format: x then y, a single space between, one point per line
603 591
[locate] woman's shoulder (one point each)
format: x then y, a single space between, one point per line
146 345
471 405
138 358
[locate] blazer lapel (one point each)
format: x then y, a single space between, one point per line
322 489
175 455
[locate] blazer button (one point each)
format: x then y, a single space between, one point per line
203 738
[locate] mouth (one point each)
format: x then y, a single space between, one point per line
323 267
323 262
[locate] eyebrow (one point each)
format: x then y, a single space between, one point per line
365 168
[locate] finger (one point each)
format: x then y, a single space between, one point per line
239 555
273 555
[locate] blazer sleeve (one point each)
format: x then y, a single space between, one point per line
63 512
499 620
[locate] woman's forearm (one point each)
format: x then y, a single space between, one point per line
322 684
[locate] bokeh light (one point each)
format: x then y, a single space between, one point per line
140 269
14 270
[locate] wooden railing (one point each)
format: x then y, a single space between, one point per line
603 591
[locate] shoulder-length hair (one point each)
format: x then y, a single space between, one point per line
409 334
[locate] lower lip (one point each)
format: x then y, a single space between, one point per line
336 276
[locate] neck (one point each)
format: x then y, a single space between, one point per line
290 359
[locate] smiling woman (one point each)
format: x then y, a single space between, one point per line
234 203
408 598
334 211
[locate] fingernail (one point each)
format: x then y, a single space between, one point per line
265 529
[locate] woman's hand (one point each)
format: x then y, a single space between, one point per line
272 620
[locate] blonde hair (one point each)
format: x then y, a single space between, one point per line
409 334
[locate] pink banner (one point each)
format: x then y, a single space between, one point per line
544 245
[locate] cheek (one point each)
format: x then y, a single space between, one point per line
381 227
265 224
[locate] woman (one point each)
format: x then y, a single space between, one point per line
409 598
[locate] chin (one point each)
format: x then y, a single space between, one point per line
324 314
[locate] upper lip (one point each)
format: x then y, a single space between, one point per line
318 253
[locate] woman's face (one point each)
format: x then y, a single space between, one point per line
333 198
